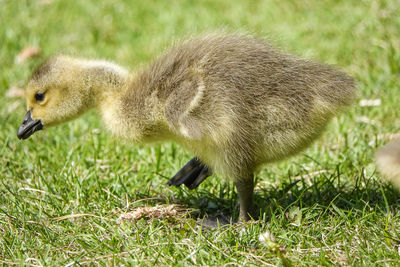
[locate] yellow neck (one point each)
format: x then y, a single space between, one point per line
103 79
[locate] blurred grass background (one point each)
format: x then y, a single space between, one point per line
348 216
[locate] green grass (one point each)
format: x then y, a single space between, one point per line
345 214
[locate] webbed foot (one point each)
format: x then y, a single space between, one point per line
191 175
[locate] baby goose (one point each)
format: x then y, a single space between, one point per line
388 162
233 101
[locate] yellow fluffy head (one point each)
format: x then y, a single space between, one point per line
55 93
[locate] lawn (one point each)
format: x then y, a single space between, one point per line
65 191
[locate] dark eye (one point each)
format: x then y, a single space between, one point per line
39 97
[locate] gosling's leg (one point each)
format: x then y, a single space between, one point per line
192 174
245 189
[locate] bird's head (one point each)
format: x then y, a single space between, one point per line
55 94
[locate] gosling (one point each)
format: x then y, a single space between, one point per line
234 101
388 162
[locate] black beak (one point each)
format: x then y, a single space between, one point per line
29 126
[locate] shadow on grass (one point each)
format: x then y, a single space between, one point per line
324 191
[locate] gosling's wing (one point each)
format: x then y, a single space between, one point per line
182 105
